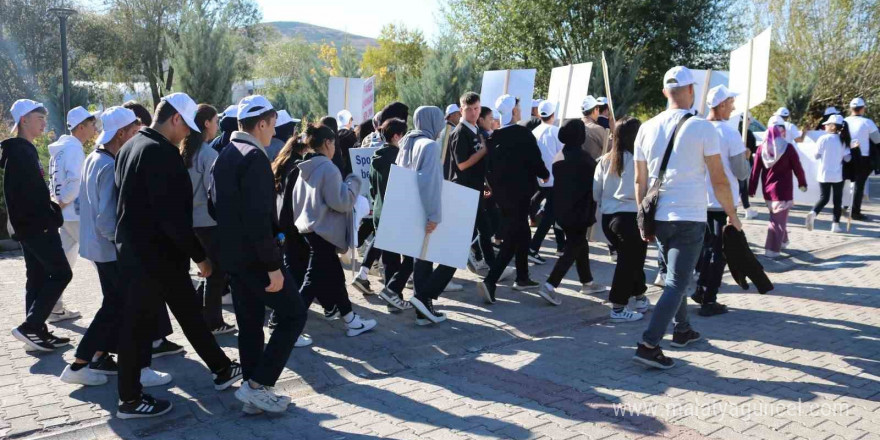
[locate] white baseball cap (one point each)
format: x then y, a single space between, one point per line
504 105
186 107
451 108
719 94
834 119
113 119
830 111
254 105
343 118
284 118
857 102
678 76
776 120
588 103
76 116
230 112
546 108
602 100
536 103
782 111
21 108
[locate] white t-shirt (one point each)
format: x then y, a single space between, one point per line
731 145
830 152
860 128
683 192
791 132
547 136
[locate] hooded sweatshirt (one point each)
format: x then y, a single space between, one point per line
323 202
31 211
514 166
573 169
66 159
420 152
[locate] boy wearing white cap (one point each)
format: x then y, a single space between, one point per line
863 131
597 136
793 134
689 148
34 220
155 243
65 167
547 136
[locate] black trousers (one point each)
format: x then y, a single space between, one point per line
622 230
548 220
145 297
483 228
214 286
535 203
397 271
826 190
744 193
863 171
429 282
515 230
576 251
48 274
373 253
263 364
324 278
712 262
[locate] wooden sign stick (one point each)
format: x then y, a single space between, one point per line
748 93
424 253
564 112
607 87
705 93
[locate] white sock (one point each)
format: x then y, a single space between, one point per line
157 343
363 273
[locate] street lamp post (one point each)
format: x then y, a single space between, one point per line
63 14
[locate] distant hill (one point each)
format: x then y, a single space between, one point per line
317 34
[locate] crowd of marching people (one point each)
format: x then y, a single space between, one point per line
264 209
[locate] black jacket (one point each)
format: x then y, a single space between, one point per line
573 203
514 166
31 211
531 123
380 168
285 216
345 140
154 228
742 261
243 195
463 143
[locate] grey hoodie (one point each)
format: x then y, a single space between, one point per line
419 151
322 202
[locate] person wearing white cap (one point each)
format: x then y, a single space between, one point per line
155 243
228 124
792 133
674 150
285 126
547 136
534 119
604 113
863 131
97 211
65 167
513 170
831 152
720 101
34 219
597 136
453 117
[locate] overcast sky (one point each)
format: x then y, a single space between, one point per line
360 17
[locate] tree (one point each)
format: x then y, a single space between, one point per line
400 53
203 55
447 74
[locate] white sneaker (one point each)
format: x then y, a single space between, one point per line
226 300
453 287
357 325
811 219
303 341
785 244
507 274
660 281
835 227
770 254
751 213
642 305
260 398
153 378
83 376
625 315
63 315
548 292
593 287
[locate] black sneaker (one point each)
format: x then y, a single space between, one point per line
104 365
697 297
331 313
38 340
166 348
858 216
227 328
145 407
56 341
362 285
425 307
712 309
682 339
536 258
227 377
487 291
652 357
525 285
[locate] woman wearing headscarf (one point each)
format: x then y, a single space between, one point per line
775 162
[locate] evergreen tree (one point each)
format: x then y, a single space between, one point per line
447 74
203 55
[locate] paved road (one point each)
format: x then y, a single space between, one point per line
803 362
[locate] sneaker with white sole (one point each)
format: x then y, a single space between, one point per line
426 308
331 313
453 287
363 285
751 214
394 300
251 409
525 285
83 376
593 287
261 398
358 325
63 315
38 340
303 341
153 378
104 365
642 305
835 228
145 407
625 315
230 375
536 258
166 348
507 274
548 292
223 329
810 221
660 280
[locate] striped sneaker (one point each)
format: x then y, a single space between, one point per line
39 340
142 408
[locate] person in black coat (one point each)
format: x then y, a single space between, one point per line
155 243
573 205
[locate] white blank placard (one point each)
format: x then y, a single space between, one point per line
739 71
402 225
517 83
569 85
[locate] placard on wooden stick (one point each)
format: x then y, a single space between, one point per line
569 85
353 94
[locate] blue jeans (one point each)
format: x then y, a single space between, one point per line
680 243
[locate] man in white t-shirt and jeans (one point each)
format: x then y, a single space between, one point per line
681 211
863 131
